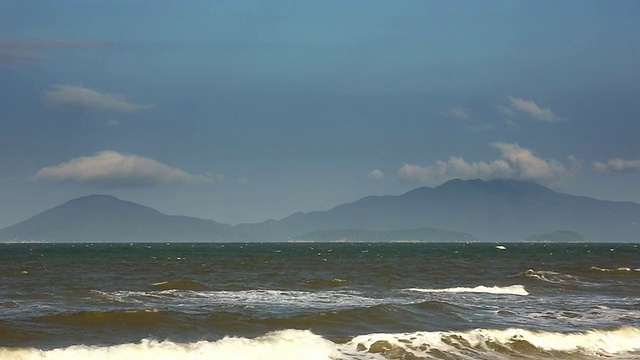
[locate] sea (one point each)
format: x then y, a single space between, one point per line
319 301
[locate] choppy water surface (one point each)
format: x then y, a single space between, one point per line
319 301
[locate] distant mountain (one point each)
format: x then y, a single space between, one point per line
496 210
103 218
409 235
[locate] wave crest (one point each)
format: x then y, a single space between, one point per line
303 344
508 290
285 344
516 342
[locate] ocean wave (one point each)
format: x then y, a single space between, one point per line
620 270
592 316
323 283
180 285
129 318
507 290
550 276
302 344
513 343
285 344
329 299
292 298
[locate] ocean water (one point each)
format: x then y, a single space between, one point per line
319 301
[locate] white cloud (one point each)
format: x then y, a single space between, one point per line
113 169
529 108
376 174
516 162
455 167
243 181
616 165
527 164
79 97
456 112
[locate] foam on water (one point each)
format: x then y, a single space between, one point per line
303 344
516 342
619 270
509 290
290 298
286 344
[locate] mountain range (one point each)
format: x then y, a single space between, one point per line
472 210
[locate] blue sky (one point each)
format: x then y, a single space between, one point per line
240 111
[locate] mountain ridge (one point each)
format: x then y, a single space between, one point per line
495 210
105 218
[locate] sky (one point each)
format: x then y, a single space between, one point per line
241 111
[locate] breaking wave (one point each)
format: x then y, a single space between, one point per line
302 344
508 290
286 344
511 343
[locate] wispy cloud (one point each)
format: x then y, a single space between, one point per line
465 118
515 162
376 174
529 108
480 127
616 165
112 123
79 97
113 169
21 51
456 112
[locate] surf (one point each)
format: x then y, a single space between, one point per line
505 290
304 344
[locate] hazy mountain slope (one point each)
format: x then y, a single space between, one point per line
497 210
98 218
357 235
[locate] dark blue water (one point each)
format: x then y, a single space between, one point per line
320 301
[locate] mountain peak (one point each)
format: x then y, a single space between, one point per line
104 203
105 218
496 185
94 198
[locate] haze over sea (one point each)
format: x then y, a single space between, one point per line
320 301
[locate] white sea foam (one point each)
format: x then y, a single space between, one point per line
509 290
472 344
620 269
285 344
303 344
292 298
257 298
